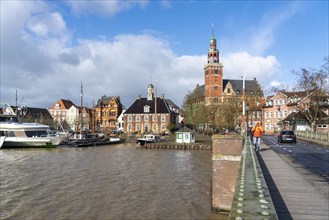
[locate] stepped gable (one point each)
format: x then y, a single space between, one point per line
237 84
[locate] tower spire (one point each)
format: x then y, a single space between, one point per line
213 30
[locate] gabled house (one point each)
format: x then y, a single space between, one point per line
59 111
78 118
150 115
290 109
107 111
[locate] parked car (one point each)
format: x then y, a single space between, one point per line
287 136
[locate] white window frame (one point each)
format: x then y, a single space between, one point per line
146 108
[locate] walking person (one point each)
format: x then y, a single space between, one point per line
257 131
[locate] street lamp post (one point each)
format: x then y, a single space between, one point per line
243 127
247 121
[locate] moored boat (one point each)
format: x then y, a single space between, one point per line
149 138
88 139
2 139
16 134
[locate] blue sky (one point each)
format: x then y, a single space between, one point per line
114 47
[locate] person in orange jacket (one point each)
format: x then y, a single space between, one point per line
257 130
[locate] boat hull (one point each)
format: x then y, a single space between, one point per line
89 143
32 142
2 139
143 142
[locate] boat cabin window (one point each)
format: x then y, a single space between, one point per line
36 133
9 134
8 119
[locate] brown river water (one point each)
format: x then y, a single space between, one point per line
105 182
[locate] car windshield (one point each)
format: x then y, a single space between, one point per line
287 132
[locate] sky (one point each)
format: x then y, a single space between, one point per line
117 48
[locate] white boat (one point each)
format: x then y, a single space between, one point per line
149 138
2 139
15 134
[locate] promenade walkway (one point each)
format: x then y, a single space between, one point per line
294 197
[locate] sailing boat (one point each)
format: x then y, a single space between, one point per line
85 138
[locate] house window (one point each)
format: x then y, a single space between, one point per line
228 90
154 118
146 108
57 106
271 114
138 118
285 113
215 87
154 127
129 127
163 118
138 127
280 114
276 114
163 126
146 118
130 118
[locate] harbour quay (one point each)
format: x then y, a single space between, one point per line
176 146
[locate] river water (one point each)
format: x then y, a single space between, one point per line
105 182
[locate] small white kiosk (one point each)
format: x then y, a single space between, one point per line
185 135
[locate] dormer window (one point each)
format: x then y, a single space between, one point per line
146 108
57 106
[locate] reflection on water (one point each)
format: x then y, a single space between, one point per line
106 182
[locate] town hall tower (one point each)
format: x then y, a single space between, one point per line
213 74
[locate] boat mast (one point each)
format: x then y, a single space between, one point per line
81 94
93 119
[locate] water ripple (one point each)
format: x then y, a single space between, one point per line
108 182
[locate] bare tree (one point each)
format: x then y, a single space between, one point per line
228 113
316 85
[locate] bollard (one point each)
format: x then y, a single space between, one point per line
226 156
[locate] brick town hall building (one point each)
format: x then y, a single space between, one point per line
217 90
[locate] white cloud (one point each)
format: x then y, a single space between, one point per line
39 61
262 37
104 8
243 64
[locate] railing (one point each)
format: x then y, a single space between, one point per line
320 136
252 199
